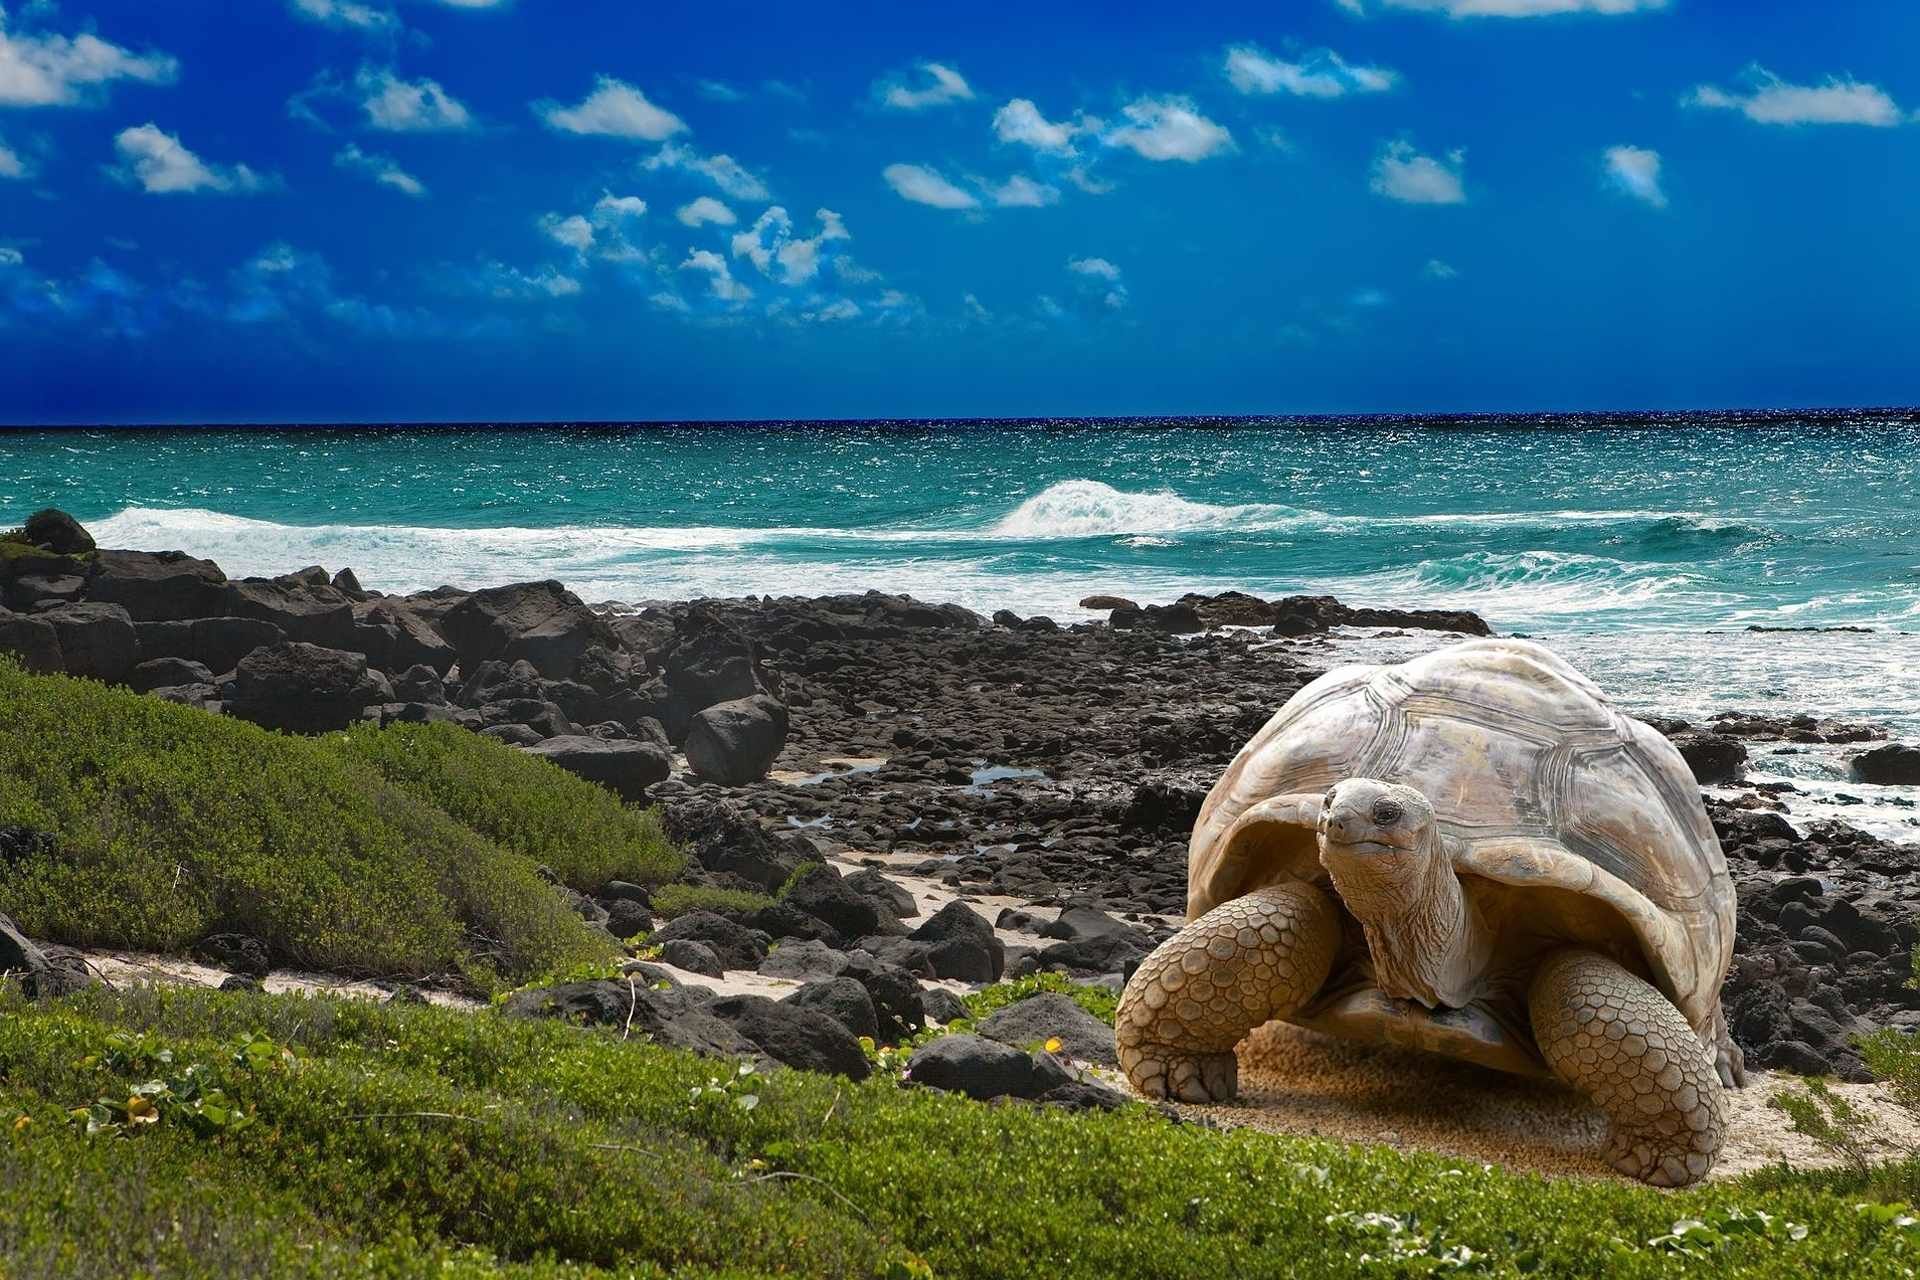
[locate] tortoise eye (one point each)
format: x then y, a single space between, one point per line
1386 813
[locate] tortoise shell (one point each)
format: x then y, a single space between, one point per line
1537 781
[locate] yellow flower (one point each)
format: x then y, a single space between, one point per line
142 1111
21 1121
1053 1044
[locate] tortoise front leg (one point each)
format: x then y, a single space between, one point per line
1239 966
1618 1040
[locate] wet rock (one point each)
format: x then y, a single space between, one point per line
1107 603
736 742
1895 764
1714 758
1158 805
627 768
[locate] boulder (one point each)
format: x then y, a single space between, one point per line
347 584
710 661
1895 764
1049 1016
799 1036
808 960
964 944
158 586
1108 603
736 742
1111 953
673 1018
628 768
1079 922
895 993
693 956
412 640
737 946
304 688
973 1065
96 640
1713 757
311 613
58 532
820 892
942 1005
220 643
419 683
18 955
723 837
1170 619
542 622
33 641
843 1000
30 591
626 918
156 673
237 952
891 898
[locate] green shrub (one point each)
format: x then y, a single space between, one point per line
527 805
1098 1001
794 877
172 824
408 1136
674 900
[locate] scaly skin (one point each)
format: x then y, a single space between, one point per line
1239 966
1618 1040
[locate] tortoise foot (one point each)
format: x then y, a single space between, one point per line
1160 1071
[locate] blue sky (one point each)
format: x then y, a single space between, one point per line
304 210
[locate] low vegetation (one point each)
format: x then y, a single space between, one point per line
356 1138
674 900
404 852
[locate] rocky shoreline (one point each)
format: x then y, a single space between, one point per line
1014 757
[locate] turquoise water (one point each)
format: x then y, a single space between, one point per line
1640 547
1702 520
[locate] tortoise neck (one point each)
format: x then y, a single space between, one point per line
1425 941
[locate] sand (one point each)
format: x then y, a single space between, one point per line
1297 1082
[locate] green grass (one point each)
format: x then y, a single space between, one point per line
674 900
397 852
580 830
400 1140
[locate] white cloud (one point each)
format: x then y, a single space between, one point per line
408 106
48 70
943 85
1438 270
1401 173
1774 101
1099 268
572 231
925 186
1514 8
10 257
381 169
720 281
718 90
498 280
703 210
346 13
611 210
1321 74
11 165
838 309
1022 192
161 165
1020 121
723 171
615 109
1168 128
778 254
1635 171
975 309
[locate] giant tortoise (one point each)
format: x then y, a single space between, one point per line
1472 853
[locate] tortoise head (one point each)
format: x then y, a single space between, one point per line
1379 843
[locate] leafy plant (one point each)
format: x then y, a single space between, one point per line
674 900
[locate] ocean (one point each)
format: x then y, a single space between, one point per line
1643 546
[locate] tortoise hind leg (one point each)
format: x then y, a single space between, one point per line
1618 1040
1239 966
